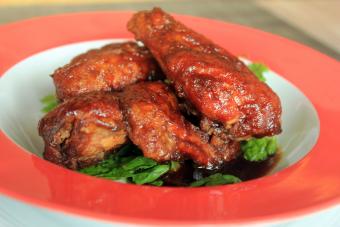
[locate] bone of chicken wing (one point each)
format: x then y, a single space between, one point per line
109 68
226 94
81 130
155 124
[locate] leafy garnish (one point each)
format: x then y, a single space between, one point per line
130 166
174 166
150 175
216 179
258 69
167 81
256 150
157 183
49 102
139 162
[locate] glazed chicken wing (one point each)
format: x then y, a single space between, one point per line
109 68
81 130
228 96
155 124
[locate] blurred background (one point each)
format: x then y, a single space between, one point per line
315 23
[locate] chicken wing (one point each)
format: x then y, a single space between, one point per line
111 67
81 130
155 124
228 96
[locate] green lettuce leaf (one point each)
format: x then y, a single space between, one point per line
49 102
258 69
129 165
256 150
216 179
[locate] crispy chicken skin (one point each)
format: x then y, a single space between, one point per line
109 68
228 96
155 124
80 131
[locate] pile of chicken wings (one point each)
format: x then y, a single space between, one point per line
117 93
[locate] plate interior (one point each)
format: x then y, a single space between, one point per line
23 86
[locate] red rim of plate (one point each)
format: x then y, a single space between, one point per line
309 185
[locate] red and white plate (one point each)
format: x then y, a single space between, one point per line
306 180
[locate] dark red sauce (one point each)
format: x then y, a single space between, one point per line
243 169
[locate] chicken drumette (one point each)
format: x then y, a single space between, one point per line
229 98
81 130
155 124
109 68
